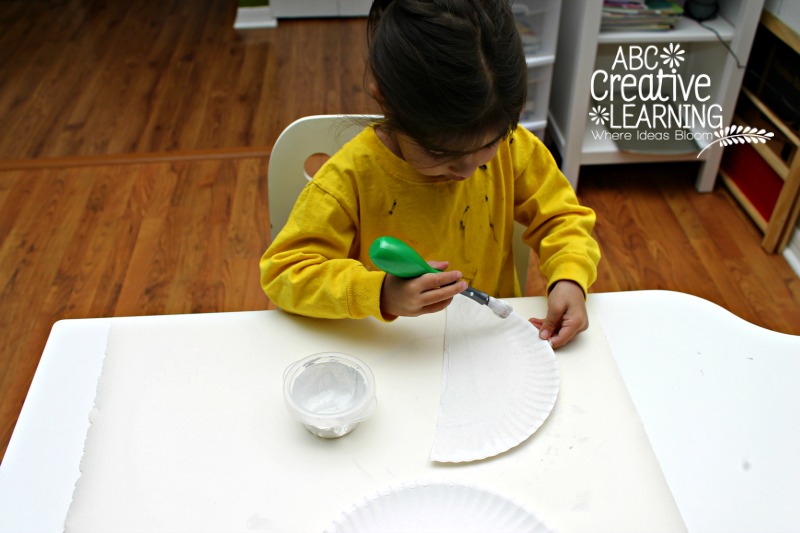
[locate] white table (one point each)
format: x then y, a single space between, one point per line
718 398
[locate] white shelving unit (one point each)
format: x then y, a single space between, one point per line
538 23
319 8
583 48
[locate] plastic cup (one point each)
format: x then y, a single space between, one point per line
329 393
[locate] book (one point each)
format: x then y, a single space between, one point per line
647 15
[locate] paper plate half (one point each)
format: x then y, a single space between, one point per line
499 383
436 508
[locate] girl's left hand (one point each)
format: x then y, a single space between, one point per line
566 314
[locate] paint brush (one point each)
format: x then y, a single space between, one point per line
399 259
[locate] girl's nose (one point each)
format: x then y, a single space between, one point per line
465 166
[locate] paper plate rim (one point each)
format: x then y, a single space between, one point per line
442 497
535 405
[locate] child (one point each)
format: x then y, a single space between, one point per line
447 171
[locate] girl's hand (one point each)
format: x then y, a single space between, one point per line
428 293
566 314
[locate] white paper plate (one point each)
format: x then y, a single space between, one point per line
437 508
500 381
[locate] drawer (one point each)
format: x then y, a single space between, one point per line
534 114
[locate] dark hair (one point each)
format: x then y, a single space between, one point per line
448 71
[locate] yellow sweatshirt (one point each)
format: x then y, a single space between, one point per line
319 263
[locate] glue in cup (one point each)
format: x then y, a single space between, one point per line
329 393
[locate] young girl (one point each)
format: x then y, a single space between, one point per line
447 171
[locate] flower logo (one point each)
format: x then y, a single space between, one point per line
672 55
599 115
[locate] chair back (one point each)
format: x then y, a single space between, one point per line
303 138
326 134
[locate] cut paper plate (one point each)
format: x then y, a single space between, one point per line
499 383
436 508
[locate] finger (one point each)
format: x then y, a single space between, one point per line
439 265
569 330
553 321
537 323
440 294
438 306
429 282
564 335
547 328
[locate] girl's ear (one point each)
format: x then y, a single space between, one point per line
374 91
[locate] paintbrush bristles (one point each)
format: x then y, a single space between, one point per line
499 307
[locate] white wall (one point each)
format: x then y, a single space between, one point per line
786 10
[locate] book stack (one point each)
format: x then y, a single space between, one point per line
640 15
531 42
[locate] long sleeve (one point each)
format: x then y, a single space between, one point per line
559 229
308 268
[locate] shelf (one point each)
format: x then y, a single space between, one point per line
780 167
533 125
522 10
539 79
687 30
711 49
781 30
603 151
780 152
745 202
539 61
537 22
765 177
772 117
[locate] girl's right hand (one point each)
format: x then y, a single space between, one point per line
428 293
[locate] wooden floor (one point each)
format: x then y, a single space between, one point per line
93 77
657 232
133 175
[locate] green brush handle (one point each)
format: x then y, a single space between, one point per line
395 257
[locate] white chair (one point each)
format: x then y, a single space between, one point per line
326 134
286 175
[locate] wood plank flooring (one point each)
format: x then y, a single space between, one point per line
657 232
92 77
133 174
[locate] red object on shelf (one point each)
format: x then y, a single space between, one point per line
754 177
